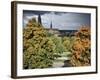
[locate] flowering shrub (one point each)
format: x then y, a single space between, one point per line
38 49
81 48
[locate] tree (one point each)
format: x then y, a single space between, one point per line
81 48
67 43
59 48
38 49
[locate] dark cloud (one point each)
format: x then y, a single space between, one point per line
61 20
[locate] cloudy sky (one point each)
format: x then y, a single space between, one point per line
60 20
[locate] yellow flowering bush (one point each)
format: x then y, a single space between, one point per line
81 48
38 49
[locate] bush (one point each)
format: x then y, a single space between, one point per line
38 49
59 48
67 43
81 48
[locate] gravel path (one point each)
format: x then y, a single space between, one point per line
62 61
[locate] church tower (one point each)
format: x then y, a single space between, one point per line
51 25
39 19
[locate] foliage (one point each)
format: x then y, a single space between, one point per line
67 43
58 43
81 48
38 49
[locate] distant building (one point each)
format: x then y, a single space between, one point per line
57 32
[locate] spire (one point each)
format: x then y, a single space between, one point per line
51 25
39 19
